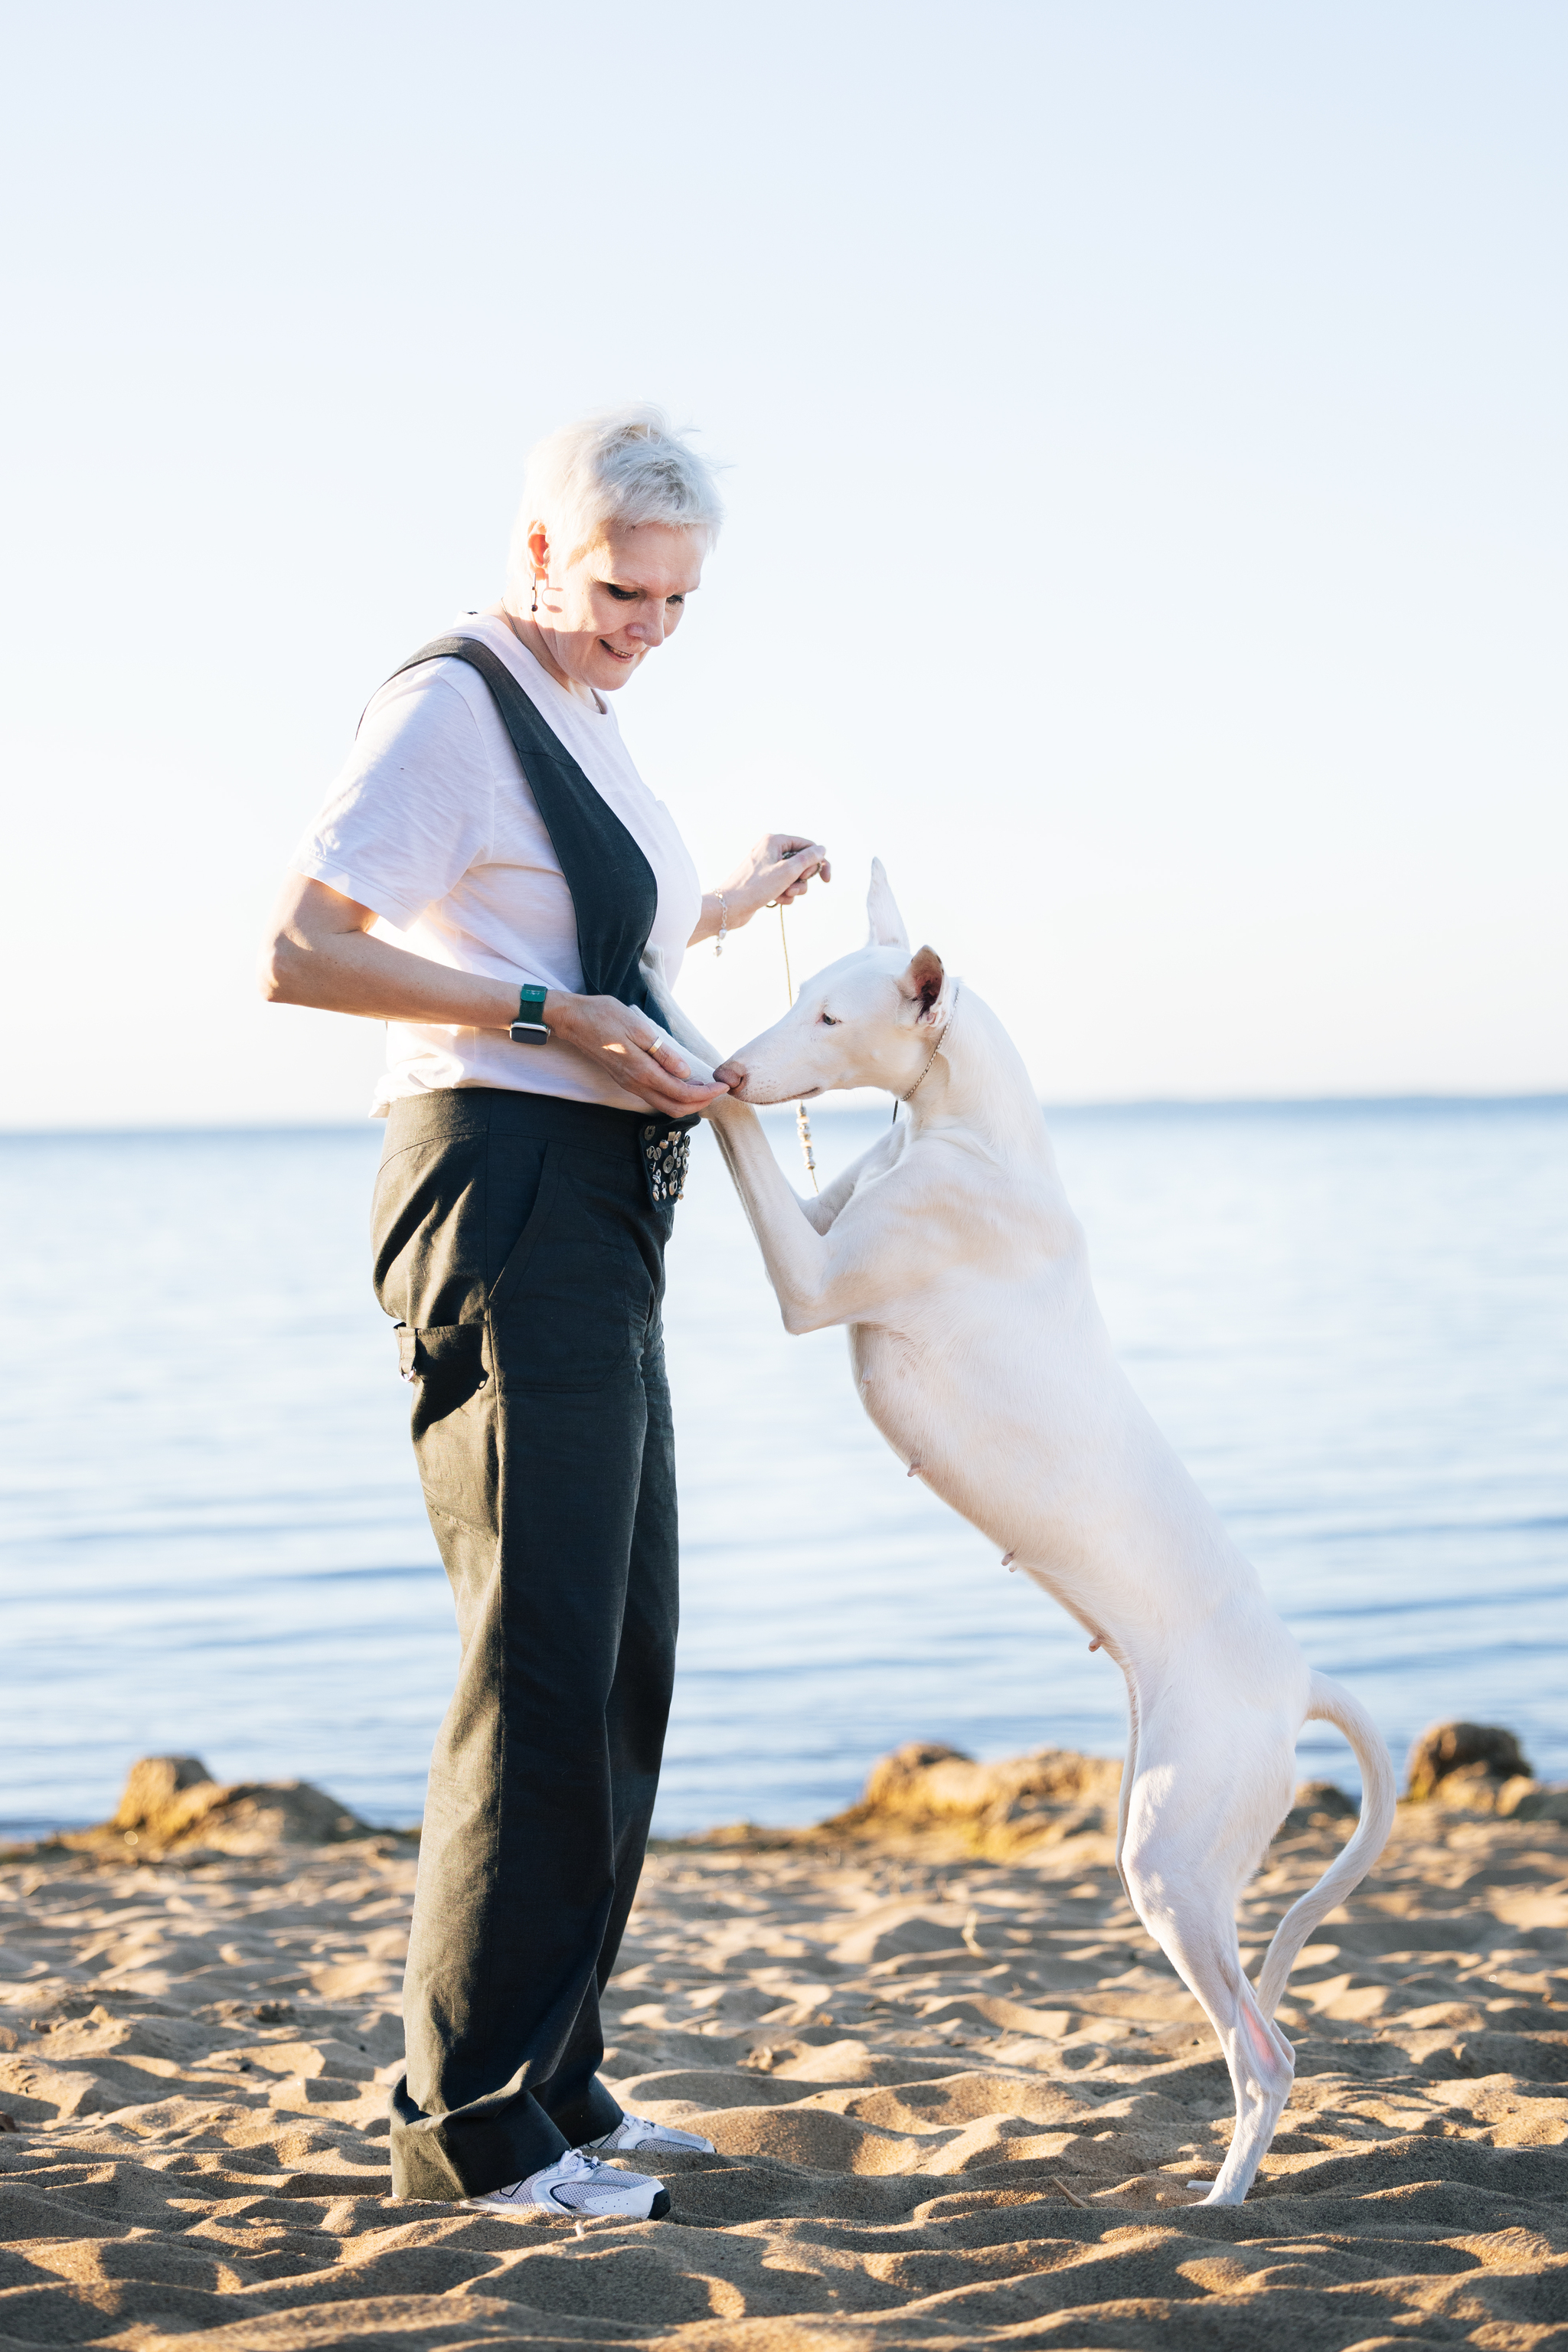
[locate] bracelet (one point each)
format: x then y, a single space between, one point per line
529 1028
723 924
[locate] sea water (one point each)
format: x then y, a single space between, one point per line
1350 1320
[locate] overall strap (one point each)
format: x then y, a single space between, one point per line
613 890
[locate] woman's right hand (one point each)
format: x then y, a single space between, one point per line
627 1046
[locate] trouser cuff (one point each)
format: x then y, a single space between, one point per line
469 2151
588 2115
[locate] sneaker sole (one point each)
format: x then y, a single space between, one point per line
655 2212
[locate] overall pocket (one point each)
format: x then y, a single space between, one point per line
452 1420
563 1310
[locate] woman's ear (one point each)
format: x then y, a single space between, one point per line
922 982
886 923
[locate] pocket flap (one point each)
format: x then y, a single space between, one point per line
449 1356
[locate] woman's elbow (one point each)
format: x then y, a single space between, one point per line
278 971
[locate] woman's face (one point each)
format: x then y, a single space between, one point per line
602 614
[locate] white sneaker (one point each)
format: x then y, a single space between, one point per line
578 2188
640 2132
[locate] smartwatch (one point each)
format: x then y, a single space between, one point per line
529 1028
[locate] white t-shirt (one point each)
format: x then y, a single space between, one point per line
432 823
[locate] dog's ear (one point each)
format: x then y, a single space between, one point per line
923 983
886 923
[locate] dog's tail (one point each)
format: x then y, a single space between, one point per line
1331 1703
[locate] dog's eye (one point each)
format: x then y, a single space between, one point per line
829 1022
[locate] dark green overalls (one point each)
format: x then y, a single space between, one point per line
520 1244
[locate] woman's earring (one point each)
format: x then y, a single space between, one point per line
535 606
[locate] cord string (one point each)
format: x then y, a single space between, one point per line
802 1119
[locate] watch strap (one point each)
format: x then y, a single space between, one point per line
529 1028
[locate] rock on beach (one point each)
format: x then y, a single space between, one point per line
172 1804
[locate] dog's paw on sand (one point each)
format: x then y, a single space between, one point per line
955 2100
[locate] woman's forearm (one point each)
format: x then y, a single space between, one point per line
351 973
320 953
709 921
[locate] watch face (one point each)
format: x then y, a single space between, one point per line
528 1033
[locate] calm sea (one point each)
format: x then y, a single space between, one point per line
1349 1318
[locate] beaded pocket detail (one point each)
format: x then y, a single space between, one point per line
667 1151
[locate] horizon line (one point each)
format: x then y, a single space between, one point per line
1543 1099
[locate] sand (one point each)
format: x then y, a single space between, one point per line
956 2096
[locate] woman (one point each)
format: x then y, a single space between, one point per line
490 813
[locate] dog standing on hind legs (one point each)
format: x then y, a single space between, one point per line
950 1253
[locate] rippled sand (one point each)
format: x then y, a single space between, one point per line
956 2102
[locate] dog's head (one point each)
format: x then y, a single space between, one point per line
872 1019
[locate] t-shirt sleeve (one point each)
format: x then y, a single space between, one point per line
412 808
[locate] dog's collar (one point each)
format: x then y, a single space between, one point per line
942 1035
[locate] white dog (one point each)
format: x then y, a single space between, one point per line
950 1250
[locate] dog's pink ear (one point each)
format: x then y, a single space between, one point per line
922 982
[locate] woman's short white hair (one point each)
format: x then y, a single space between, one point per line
624 466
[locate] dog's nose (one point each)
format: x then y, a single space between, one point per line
730 1074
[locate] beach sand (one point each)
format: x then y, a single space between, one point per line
955 2091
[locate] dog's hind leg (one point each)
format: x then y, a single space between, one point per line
1182 1882
1129 1775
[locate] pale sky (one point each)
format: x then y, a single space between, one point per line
1144 433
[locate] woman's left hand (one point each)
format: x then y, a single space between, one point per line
778 867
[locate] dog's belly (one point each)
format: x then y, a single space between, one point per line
1035 1437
